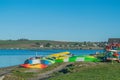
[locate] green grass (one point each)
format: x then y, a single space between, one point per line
103 71
21 74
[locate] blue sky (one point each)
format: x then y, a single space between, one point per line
66 20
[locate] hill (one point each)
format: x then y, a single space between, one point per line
48 44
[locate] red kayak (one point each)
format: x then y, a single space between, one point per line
41 66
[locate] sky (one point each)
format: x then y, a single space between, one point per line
62 20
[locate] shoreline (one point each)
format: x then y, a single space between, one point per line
6 70
51 49
9 67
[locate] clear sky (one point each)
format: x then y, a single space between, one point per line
66 20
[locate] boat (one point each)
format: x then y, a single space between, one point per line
41 66
78 58
43 62
48 61
61 54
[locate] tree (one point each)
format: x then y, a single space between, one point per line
37 43
48 45
23 39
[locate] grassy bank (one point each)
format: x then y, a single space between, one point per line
77 71
20 73
104 71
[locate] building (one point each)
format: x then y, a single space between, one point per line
114 40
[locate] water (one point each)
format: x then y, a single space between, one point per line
17 57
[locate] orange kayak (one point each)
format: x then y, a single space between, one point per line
41 66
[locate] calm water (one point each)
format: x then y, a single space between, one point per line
16 57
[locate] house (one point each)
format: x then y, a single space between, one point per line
113 40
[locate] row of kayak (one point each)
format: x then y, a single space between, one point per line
38 62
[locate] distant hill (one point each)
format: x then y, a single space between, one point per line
48 44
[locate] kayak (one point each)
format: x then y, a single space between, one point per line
78 58
61 54
41 66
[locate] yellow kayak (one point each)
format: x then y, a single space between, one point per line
61 54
